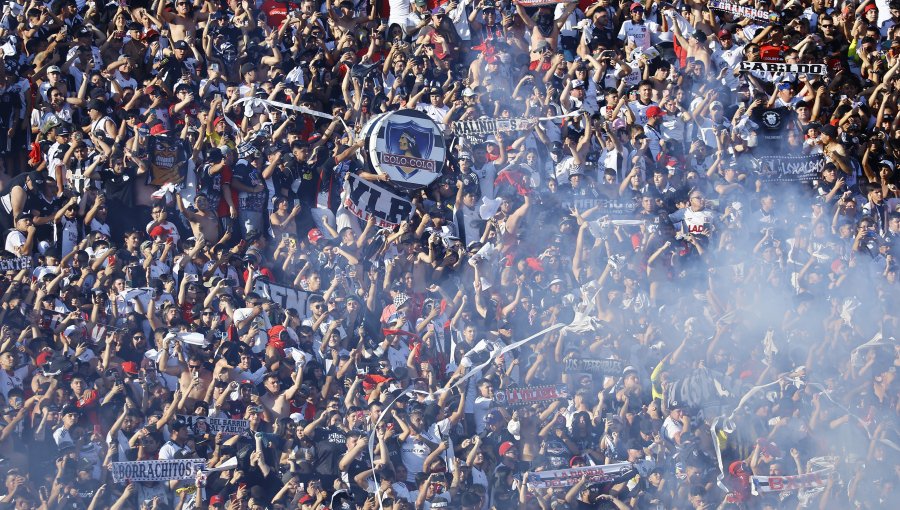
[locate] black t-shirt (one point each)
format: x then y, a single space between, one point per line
331 443
302 183
119 187
773 123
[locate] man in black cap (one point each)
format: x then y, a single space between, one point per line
20 241
70 415
175 447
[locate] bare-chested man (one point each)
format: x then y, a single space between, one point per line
204 223
543 27
182 22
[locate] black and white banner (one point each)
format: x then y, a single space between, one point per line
286 297
530 395
364 199
814 480
746 12
215 425
156 470
569 477
784 67
16 264
480 127
779 168
607 366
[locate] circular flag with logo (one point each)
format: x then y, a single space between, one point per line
407 146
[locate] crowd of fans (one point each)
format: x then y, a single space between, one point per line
165 165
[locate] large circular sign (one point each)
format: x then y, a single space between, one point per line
407 146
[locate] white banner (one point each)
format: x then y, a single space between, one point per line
364 199
156 470
489 126
784 67
15 264
816 479
569 477
215 425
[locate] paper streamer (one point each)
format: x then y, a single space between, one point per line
471 372
285 106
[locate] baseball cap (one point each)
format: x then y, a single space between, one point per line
216 500
130 367
636 6
723 34
577 84
505 447
655 111
870 7
53 69
467 92
829 130
181 45
158 129
314 235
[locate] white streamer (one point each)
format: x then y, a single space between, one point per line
285 106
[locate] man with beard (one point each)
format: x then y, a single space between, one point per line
543 27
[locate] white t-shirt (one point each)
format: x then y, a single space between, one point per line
14 242
641 34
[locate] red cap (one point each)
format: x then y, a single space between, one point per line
130 367
158 129
505 447
43 358
159 231
723 34
216 500
637 5
218 121
870 7
577 458
314 235
655 111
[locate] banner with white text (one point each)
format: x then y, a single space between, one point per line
364 200
156 470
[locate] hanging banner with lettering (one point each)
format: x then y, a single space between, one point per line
286 297
16 264
784 67
746 12
156 470
608 204
780 168
699 389
200 425
530 395
607 366
814 480
610 473
364 199
479 129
